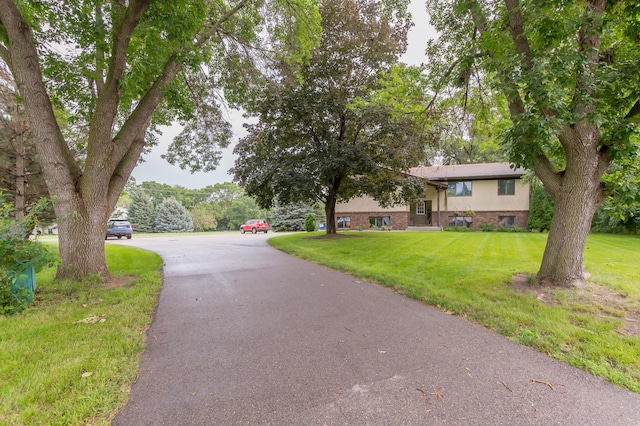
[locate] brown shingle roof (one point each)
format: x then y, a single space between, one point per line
467 171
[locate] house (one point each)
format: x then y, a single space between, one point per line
458 195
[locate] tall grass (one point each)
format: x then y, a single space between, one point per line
471 275
71 358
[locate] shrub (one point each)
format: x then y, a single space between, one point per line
541 210
16 250
459 229
310 223
511 229
487 227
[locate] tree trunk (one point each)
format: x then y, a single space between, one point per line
330 206
577 195
81 229
330 211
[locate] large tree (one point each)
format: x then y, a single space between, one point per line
326 133
569 73
122 67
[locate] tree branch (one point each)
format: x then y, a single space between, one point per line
547 173
108 101
589 46
140 118
634 112
521 43
124 168
211 31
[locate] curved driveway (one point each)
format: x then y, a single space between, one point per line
247 335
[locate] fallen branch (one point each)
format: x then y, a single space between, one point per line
542 382
503 384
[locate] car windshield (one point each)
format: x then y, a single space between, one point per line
120 223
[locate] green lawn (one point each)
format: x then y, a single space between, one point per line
58 366
71 357
472 275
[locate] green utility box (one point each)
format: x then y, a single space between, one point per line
24 278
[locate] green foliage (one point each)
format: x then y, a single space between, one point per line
203 216
16 141
16 251
540 209
121 69
171 216
241 210
310 223
142 213
511 229
290 217
567 71
620 212
219 207
324 132
487 227
467 129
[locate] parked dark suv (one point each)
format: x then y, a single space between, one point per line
119 228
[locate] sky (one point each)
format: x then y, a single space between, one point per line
155 168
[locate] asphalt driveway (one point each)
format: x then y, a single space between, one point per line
247 335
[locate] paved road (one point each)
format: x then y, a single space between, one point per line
246 335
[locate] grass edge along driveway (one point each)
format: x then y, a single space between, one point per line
485 277
72 356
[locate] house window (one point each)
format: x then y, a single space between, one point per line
506 221
464 221
344 222
379 221
420 207
506 186
459 189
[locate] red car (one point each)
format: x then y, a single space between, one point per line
254 225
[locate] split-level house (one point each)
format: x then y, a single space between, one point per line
458 195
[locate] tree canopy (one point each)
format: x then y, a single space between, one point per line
328 131
119 69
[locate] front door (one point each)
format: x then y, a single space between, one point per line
420 213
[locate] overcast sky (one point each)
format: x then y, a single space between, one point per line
157 169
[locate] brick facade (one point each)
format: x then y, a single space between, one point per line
521 218
400 220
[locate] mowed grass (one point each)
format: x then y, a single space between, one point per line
71 357
472 275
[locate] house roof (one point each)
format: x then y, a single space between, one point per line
467 171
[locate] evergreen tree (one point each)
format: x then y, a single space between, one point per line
290 217
142 214
310 223
171 216
541 211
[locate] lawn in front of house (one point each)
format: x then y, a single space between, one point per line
486 277
71 357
